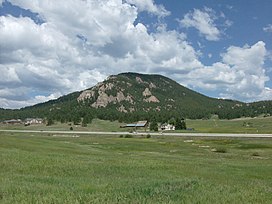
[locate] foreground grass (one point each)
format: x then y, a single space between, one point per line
43 169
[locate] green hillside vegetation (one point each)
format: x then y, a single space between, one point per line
130 97
101 169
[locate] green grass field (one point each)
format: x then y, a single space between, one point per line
243 125
96 125
38 168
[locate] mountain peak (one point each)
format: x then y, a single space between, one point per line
131 92
133 96
123 89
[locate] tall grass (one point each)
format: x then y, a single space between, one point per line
95 169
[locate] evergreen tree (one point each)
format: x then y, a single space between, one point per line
172 121
85 122
50 122
154 126
76 119
178 124
183 125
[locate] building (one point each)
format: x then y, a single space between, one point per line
139 124
166 126
12 121
31 121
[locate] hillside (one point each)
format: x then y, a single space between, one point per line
132 93
133 96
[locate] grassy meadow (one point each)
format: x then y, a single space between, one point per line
96 125
45 168
241 125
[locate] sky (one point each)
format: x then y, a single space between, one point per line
220 48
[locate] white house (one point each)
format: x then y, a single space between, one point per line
30 121
166 126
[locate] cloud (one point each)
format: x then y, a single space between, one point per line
18 101
240 75
74 48
268 28
149 6
204 22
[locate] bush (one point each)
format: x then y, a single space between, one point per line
128 136
71 128
255 154
148 136
121 136
220 150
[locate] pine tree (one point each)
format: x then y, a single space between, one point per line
85 122
183 125
178 124
154 126
50 122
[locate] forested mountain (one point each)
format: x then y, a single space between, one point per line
131 96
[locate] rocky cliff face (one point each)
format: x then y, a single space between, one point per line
116 90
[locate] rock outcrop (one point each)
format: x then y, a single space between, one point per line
151 99
147 92
87 94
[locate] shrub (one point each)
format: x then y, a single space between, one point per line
255 154
220 150
148 136
121 136
71 128
128 136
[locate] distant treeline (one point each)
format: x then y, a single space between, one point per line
71 111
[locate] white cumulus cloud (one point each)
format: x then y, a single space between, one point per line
204 22
240 75
149 6
82 42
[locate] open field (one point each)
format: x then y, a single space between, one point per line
108 169
96 125
242 125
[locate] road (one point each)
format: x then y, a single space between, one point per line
145 133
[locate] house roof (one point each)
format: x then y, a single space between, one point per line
12 121
138 124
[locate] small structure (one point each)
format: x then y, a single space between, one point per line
12 121
166 126
139 124
30 121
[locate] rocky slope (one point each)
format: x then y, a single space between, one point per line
131 92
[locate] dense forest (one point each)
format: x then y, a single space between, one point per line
130 97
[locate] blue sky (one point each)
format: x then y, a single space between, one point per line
49 48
